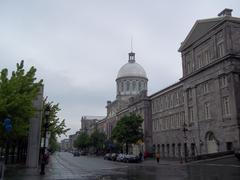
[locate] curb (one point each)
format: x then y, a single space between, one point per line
212 159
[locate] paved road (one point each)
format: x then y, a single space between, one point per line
64 166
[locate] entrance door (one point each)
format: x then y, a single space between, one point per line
212 146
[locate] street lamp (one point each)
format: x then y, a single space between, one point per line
185 141
46 125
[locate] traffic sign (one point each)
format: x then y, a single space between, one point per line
7 123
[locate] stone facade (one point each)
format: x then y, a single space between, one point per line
65 145
200 114
209 110
89 123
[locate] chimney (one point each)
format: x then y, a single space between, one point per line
225 12
108 103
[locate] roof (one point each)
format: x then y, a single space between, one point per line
200 28
131 69
93 117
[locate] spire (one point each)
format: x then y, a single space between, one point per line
131 54
131 57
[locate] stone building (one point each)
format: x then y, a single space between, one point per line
65 146
131 97
72 139
200 114
88 123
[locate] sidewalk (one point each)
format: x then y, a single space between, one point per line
20 172
153 162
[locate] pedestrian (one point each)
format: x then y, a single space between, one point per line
140 156
158 157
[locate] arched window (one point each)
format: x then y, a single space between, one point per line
139 86
134 85
122 86
142 85
128 85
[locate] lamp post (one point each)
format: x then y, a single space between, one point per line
185 141
46 125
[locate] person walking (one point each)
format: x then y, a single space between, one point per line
158 157
140 156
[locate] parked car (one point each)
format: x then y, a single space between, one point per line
120 157
76 153
130 158
107 156
113 156
83 153
237 153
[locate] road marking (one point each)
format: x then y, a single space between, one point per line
114 168
223 165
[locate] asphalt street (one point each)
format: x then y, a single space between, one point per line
64 166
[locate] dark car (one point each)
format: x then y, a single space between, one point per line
76 153
108 156
237 153
83 153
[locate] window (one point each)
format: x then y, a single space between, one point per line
193 149
134 85
128 86
226 106
163 150
229 146
189 94
220 49
179 150
206 55
139 86
142 85
207 110
168 150
177 97
223 81
170 101
173 150
199 60
190 114
205 87
188 67
122 87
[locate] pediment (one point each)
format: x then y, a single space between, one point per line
200 28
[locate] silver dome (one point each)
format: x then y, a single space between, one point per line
132 69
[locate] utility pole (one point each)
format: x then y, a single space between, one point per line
185 141
46 126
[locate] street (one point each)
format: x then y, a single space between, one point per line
64 165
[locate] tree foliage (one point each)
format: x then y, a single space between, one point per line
56 127
97 140
17 94
128 130
82 141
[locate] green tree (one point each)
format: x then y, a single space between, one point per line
17 93
82 141
128 130
97 140
57 127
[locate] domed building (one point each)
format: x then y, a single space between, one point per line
131 79
131 97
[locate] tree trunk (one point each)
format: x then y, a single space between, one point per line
18 151
13 154
6 153
126 148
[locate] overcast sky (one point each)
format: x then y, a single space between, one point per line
78 46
